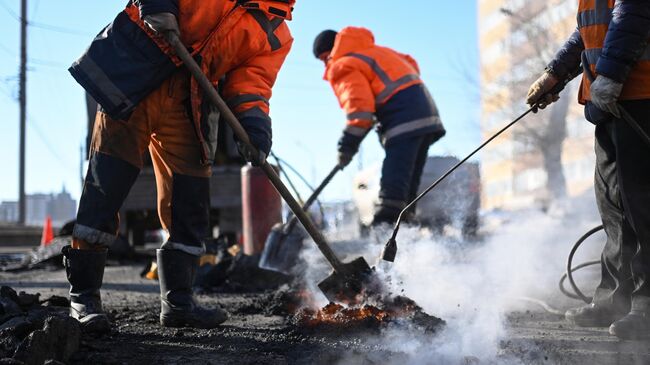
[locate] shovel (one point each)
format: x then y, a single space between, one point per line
283 244
348 281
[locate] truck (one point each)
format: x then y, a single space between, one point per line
139 221
456 201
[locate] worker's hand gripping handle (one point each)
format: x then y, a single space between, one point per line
213 96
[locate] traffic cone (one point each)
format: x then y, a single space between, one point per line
48 234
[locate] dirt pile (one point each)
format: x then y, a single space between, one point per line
239 274
33 331
400 311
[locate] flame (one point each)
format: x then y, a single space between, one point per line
368 315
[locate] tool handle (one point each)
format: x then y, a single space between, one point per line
292 222
214 97
624 113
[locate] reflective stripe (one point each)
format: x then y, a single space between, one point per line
192 250
390 85
410 127
245 98
356 131
390 88
594 53
594 17
361 115
383 76
103 82
93 236
268 26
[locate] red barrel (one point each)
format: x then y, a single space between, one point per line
261 208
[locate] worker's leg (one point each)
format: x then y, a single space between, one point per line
402 166
115 162
633 171
612 298
183 206
421 160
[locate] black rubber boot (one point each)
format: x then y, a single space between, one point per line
636 324
176 271
593 315
85 272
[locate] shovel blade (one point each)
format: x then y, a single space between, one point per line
281 250
348 286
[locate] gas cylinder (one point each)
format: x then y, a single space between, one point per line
261 208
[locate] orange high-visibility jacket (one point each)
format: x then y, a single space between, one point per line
614 20
240 45
367 77
245 42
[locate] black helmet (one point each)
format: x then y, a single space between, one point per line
324 42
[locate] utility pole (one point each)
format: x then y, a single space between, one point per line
23 111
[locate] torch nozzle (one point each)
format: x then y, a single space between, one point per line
390 250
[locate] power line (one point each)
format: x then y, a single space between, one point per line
58 29
47 63
11 12
45 26
46 142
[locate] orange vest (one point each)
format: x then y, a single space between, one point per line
594 17
247 41
364 75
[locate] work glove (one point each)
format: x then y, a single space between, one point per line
537 94
162 23
604 94
348 146
260 135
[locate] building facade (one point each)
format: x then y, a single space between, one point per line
61 207
517 39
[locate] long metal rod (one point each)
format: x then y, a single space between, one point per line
451 170
391 246
22 204
292 222
241 134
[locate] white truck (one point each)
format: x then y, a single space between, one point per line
455 201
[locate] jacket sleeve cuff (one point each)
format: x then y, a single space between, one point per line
612 69
259 131
149 7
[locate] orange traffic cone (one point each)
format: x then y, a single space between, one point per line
48 234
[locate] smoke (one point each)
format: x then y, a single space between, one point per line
474 285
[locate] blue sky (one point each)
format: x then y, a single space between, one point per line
306 118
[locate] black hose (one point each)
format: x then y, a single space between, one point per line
570 270
565 276
577 293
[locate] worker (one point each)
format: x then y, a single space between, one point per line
377 86
613 35
148 100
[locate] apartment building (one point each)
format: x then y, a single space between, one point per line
517 39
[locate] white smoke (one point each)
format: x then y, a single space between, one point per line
474 285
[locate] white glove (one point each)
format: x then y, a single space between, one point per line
540 87
162 23
604 94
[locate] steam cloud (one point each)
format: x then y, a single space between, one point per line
474 285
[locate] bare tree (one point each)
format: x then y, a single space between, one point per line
536 33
